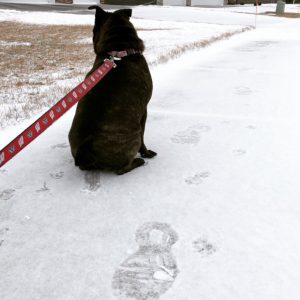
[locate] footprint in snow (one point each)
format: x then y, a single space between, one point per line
203 247
255 46
3 231
155 118
242 91
57 175
197 178
92 181
239 152
201 127
262 44
151 271
186 137
60 146
44 188
7 194
191 135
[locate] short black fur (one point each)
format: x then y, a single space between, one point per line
108 128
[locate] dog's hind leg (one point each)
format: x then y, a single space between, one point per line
84 157
137 162
143 150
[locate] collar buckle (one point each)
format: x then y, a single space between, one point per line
118 55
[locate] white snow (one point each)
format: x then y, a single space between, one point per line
45 17
225 123
241 15
13 44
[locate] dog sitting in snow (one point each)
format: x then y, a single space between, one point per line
108 128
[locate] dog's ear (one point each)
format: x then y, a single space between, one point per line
99 17
99 10
125 12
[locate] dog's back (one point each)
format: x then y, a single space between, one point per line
108 127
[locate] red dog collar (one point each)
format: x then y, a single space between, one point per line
124 53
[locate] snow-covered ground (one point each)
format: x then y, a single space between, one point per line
173 40
225 123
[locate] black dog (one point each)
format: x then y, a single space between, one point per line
108 128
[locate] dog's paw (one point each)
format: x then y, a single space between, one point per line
137 162
148 154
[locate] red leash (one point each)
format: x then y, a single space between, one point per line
54 113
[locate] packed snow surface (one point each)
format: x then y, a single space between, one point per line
214 216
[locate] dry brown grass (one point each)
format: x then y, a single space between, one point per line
50 45
33 59
41 63
284 15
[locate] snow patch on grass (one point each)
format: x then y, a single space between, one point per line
13 44
48 61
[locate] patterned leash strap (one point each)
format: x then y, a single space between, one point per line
54 113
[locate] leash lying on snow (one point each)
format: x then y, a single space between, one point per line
54 113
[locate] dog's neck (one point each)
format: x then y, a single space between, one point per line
117 55
119 38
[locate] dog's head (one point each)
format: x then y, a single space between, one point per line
113 31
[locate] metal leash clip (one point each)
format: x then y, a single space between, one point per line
111 59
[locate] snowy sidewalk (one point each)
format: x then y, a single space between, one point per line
225 124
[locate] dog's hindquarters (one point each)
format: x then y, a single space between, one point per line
107 151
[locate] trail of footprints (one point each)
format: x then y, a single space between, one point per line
191 136
152 269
